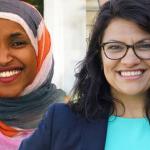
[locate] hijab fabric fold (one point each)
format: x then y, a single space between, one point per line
26 110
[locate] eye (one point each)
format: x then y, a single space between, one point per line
143 46
114 47
18 43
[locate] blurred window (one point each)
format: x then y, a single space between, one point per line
92 7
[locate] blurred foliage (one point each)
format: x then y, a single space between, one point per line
39 4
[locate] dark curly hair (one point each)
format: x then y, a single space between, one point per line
91 94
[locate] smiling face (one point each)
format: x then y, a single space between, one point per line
129 76
17 59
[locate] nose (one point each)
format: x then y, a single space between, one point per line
130 59
5 56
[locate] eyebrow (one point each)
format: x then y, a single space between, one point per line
142 40
16 34
145 39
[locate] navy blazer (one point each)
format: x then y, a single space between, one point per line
61 129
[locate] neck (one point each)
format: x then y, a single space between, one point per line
133 105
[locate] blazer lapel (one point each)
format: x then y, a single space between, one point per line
94 135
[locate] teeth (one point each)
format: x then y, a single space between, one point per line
8 73
131 73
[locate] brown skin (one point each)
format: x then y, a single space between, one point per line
18 64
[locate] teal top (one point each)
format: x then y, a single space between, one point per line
128 134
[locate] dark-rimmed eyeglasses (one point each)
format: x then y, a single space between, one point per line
118 50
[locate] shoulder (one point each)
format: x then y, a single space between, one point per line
61 117
61 125
59 107
61 113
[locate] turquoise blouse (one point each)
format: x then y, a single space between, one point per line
128 134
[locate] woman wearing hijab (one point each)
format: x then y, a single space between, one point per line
26 70
111 98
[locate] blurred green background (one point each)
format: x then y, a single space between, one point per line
39 4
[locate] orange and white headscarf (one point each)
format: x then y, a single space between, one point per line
32 22
26 110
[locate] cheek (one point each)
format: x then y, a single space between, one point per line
32 63
109 69
28 58
30 70
106 65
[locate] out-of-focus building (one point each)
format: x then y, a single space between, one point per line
69 22
91 11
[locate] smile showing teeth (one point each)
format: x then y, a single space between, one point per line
131 73
6 74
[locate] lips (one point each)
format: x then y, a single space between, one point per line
8 75
131 74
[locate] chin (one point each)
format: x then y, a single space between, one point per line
9 95
132 93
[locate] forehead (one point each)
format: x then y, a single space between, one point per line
8 27
24 11
124 30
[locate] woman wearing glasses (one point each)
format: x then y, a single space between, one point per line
111 100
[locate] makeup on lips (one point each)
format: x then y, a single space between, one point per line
131 74
8 75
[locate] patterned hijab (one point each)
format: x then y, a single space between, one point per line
26 110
